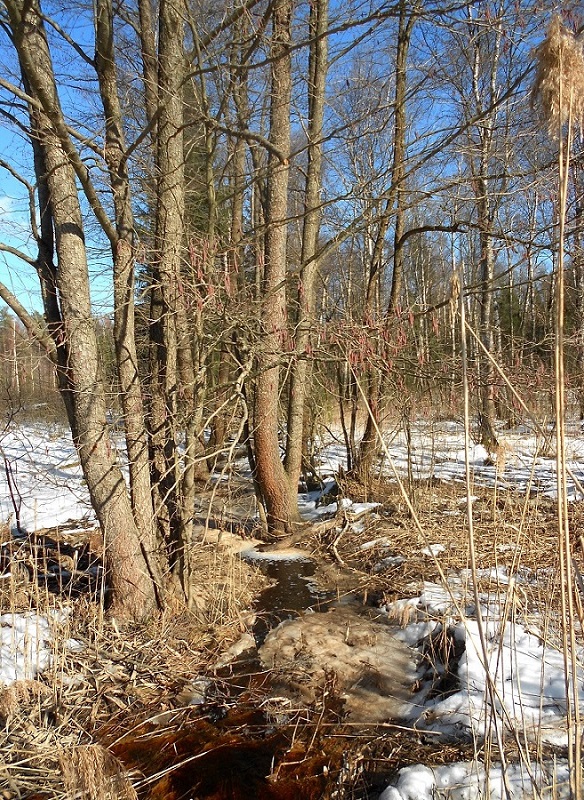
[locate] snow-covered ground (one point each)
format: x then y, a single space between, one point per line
525 459
41 483
510 683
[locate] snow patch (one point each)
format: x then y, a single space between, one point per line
26 644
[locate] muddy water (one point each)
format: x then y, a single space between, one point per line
252 750
292 593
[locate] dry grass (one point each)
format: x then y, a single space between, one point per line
48 726
60 730
90 772
513 533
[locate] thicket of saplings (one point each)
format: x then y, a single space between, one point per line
419 382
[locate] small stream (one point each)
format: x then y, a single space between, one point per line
292 593
236 748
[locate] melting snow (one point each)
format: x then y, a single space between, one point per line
433 550
26 644
528 676
466 780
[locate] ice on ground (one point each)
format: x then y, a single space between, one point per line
382 542
436 450
355 510
244 644
286 554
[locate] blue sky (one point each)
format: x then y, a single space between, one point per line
19 277
15 149
15 231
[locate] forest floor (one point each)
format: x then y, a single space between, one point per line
195 704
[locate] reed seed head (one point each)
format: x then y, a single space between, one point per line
559 77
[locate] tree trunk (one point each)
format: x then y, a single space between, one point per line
399 150
174 368
300 375
487 412
124 288
133 591
393 207
270 472
485 212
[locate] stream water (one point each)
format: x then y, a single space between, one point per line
292 592
251 749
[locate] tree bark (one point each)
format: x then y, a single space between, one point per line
174 357
484 200
406 25
124 290
270 474
487 412
306 298
133 591
393 208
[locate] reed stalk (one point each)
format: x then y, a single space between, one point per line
559 88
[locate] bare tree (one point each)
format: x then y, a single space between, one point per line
68 309
270 470
393 210
306 296
123 260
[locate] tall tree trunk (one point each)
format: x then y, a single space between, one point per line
237 179
124 288
399 149
393 208
133 590
175 366
149 64
270 472
158 417
487 412
485 212
46 267
306 299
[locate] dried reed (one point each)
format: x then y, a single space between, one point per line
90 772
559 87
559 78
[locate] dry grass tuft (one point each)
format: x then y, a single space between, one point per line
20 694
50 726
515 534
559 77
90 772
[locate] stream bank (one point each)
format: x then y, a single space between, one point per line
183 728
351 728
302 710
